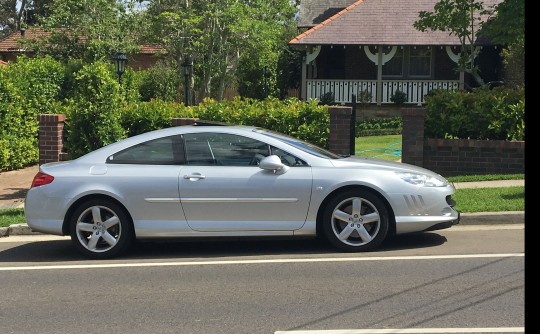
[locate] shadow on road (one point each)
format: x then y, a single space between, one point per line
62 250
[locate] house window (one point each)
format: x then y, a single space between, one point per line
394 67
420 62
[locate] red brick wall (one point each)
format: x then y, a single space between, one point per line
340 133
51 128
447 157
450 157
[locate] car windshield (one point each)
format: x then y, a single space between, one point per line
300 144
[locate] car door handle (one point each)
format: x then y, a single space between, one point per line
194 177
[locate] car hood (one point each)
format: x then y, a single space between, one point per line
370 163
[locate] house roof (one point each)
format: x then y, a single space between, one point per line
379 22
3 63
313 12
11 43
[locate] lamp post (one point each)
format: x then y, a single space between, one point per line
187 66
120 61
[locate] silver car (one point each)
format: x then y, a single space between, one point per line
229 181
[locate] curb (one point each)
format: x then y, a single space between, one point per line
479 218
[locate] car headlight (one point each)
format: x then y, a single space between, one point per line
423 180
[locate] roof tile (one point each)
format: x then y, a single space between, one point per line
378 22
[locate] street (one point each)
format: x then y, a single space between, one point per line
461 280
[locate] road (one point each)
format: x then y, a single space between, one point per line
461 280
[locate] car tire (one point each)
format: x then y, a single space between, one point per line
100 229
356 221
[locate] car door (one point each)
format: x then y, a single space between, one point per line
145 177
223 189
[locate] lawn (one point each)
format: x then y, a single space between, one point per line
380 147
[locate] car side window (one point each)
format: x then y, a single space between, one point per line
162 151
223 149
287 158
208 149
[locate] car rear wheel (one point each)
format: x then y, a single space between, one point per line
100 229
356 221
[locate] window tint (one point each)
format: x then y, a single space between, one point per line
162 151
223 149
287 158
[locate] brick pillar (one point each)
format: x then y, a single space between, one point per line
340 133
51 127
412 137
183 121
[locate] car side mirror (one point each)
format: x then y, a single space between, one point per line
273 163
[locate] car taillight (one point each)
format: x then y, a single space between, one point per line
41 179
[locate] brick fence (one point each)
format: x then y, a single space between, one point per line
448 157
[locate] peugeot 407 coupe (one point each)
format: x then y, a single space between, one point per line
200 181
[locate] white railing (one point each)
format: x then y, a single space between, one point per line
344 89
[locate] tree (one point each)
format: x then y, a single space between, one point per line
461 18
16 14
229 41
89 29
508 28
8 17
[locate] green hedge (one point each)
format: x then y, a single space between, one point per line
484 114
28 87
379 126
100 111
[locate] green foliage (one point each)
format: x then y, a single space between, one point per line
28 87
497 114
508 26
379 126
140 117
328 98
93 117
89 29
364 97
399 97
459 18
159 82
305 120
230 42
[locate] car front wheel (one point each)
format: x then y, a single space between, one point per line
356 221
100 229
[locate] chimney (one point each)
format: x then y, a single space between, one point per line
23 31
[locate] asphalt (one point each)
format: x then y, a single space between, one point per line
480 218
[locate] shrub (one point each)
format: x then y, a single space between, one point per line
484 114
94 115
379 126
28 87
328 98
399 97
159 82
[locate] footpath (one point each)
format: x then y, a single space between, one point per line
15 184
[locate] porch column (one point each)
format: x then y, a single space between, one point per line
379 74
340 133
303 84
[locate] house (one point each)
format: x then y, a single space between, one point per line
11 47
3 63
371 49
